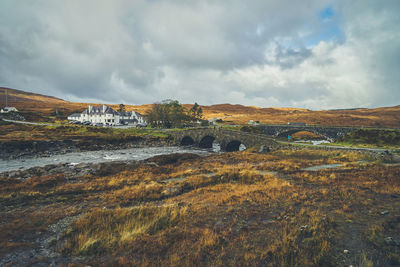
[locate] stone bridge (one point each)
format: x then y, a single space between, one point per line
330 133
227 139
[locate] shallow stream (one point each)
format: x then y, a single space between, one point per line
96 157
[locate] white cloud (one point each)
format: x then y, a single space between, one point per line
265 53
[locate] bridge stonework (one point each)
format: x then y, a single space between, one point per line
330 133
227 139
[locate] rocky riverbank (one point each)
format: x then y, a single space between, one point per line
76 171
71 171
22 149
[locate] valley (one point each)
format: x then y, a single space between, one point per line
79 195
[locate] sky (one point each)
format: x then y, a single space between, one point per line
316 54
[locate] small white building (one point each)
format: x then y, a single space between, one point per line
213 121
251 122
8 109
107 116
74 117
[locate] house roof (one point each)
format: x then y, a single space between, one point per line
125 113
99 110
138 114
75 115
130 113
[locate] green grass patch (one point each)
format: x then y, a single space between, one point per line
371 138
232 128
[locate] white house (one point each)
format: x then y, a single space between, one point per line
74 117
8 109
251 122
212 121
107 116
131 117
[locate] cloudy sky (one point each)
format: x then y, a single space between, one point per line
314 54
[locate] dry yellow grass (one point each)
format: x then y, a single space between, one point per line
228 209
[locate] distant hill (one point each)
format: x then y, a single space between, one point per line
36 106
17 96
378 117
42 106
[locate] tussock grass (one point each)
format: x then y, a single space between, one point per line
227 209
104 230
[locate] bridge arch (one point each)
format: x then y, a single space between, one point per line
235 145
286 133
220 139
207 141
187 141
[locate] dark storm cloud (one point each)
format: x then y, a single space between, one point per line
315 54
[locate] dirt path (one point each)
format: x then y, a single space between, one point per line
42 252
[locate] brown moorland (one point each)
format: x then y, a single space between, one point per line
231 209
43 106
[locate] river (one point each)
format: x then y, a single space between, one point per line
96 157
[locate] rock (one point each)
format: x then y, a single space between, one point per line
181 204
391 241
264 149
172 158
170 191
303 227
219 225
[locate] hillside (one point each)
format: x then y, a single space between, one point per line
15 95
43 106
379 117
36 104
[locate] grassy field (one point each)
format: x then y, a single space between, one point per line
61 131
231 209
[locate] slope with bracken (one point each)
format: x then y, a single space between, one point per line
235 114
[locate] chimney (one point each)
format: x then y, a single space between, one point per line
104 108
90 108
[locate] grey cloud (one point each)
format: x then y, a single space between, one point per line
288 57
250 52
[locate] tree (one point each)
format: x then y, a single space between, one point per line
200 113
121 108
167 114
196 112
